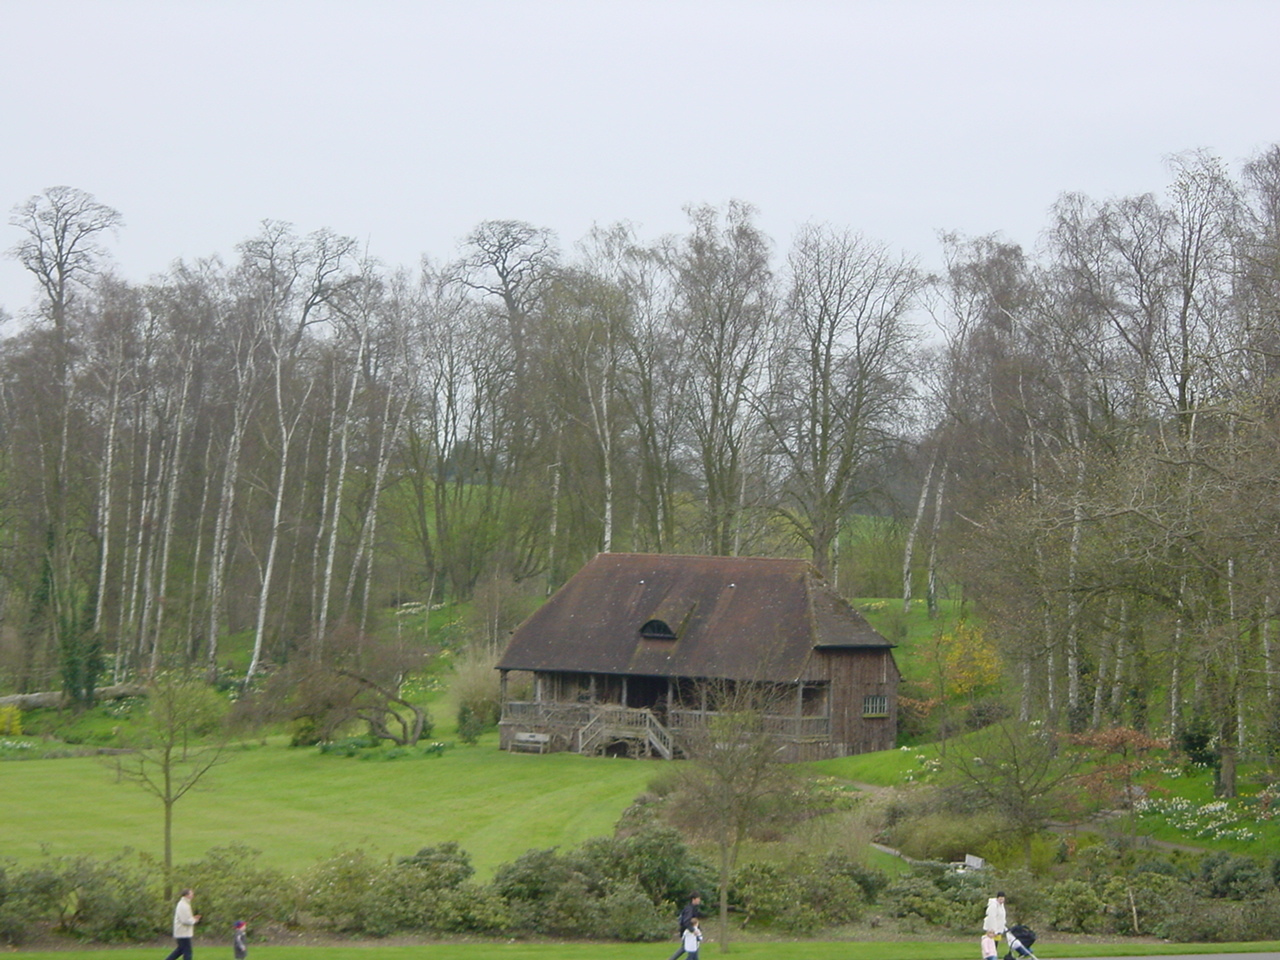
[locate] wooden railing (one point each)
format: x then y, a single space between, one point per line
636 724
590 735
788 728
586 726
552 714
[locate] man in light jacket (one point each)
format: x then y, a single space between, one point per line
184 926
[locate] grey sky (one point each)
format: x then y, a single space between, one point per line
405 124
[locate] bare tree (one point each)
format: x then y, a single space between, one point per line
294 284
182 743
735 785
62 248
1019 771
725 309
841 378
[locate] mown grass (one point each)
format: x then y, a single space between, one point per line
772 950
298 805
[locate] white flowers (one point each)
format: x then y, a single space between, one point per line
1216 819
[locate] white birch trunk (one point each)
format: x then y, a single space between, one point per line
914 531
931 581
287 428
171 499
339 486
105 498
197 551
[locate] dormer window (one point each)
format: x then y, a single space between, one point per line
657 630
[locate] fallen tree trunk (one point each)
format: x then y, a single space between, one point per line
57 698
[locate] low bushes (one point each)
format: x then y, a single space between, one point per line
804 894
628 888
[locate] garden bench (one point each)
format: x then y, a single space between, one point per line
531 741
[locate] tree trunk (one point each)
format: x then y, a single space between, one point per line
914 530
931 595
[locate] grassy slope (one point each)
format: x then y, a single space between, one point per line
297 805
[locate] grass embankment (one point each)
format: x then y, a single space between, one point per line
298 805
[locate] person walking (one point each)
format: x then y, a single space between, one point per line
691 939
995 918
184 926
691 912
989 951
239 940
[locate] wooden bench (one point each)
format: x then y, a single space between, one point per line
539 742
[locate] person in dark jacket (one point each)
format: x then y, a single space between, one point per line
691 911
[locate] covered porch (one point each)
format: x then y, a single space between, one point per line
654 716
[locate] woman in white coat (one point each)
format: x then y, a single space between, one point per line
995 919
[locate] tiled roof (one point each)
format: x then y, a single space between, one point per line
742 618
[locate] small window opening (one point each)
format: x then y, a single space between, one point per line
875 706
657 630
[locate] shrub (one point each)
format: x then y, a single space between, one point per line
955 899
1197 920
469 908
338 890
1234 878
870 881
539 887
14 920
393 902
616 888
10 721
438 868
107 901
1141 902
771 895
983 713
626 913
1073 906
1009 852
478 689
233 886
943 836
804 893
654 858
470 724
913 895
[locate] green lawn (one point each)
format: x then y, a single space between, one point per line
519 950
297 805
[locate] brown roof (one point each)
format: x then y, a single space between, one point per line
743 618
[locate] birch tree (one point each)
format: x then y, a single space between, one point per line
62 248
294 282
841 381
725 308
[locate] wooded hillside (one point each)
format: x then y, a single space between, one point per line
1080 439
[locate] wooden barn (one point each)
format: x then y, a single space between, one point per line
623 656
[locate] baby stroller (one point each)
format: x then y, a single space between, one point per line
1020 938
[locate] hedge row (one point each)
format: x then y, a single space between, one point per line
630 889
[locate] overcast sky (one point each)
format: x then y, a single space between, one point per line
404 124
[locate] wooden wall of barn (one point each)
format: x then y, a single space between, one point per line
854 675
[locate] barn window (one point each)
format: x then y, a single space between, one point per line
657 630
875 705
